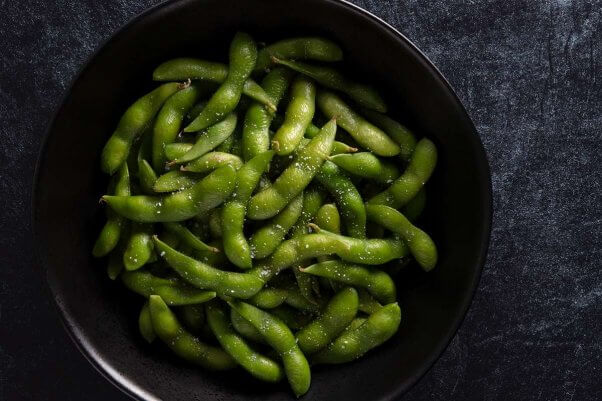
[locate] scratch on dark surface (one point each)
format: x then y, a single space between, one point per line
527 72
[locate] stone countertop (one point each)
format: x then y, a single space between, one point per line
530 75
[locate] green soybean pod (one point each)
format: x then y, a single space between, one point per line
243 55
279 337
301 48
175 180
312 200
337 315
420 243
368 304
205 195
173 291
244 328
145 324
329 77
253 362
269 298
237 248
328 218
177 150
139 247
298 116
216 259
182 343
188 238
267 238
181 69
256 127
295 178
211 161
169 121
377 282
405 188
209 140
146 177
133 122
194 111
347 197
115 264
355 323
113 229
373 251
364 133
201 275
414 208
298 249
400 134
352 344
367 165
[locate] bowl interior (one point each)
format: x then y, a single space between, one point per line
101 316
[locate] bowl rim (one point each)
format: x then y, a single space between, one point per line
125 384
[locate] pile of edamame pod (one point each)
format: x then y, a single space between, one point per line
255 206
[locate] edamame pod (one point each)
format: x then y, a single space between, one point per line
301 48
403 189
145 324
201 197
139 248
188 238
352 344
377 282
413 209
169 121
295 250
265 240
269 298
367 165
244 328
175 180
312 200
328 218
256 127
279 337
420 243
400 134
176 150
133 122
112 231
243 55
329 77
201 275
209 140
253 362
295 178
298 116
233 214
182 343
347 198
337 315
181 69
173 291
212 161
366 134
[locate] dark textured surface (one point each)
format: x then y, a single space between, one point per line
529 74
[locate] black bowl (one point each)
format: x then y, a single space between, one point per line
101 317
